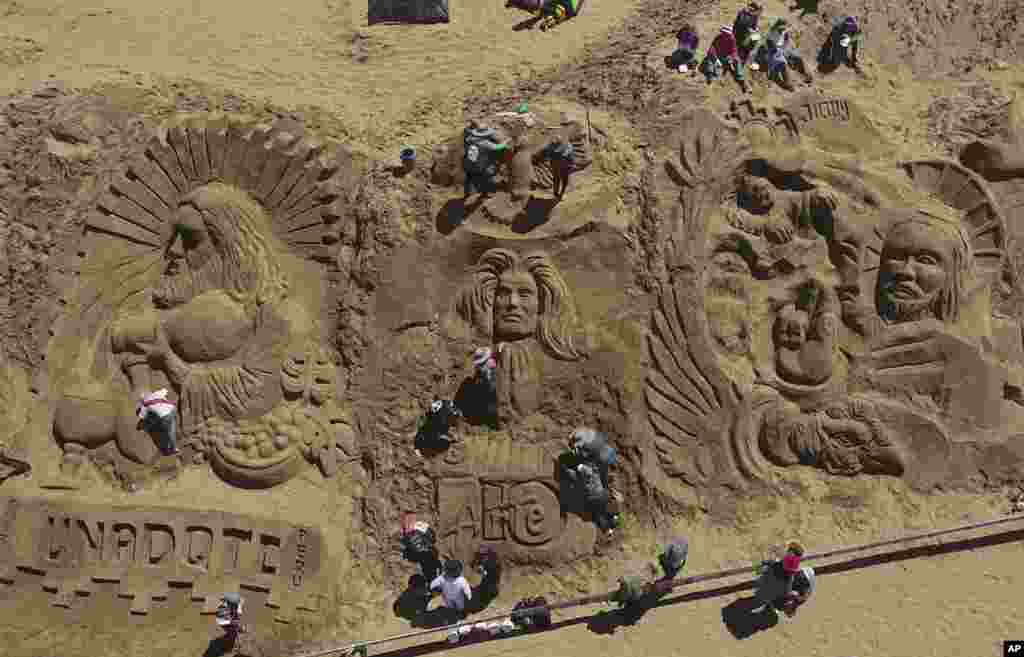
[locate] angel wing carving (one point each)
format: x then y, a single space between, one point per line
695 413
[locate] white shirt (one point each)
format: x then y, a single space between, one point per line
156 402
454 592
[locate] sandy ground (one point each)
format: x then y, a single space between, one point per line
393 85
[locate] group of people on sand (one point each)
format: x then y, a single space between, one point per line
484 153
742 46
783 584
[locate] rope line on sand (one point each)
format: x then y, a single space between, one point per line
693 579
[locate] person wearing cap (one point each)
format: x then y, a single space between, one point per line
229 614
591 446
454 589
779 52
784 584
721 55
683 57
843 44
744 28
435 428
479 161
158 417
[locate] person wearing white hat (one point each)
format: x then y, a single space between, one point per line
158 417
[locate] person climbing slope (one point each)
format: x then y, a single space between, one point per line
158 417
435 427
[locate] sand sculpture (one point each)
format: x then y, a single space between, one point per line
504 494
147 550
527 168
811 309
207 268
523 304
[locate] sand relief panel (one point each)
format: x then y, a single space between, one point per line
811 314
208 268
522 303
504 494
71 550
525 170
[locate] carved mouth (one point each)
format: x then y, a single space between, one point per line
904 291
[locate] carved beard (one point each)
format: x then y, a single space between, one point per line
518 379
180 288
912 310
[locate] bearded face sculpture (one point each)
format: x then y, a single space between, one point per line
921 272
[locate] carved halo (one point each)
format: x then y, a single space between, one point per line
969 196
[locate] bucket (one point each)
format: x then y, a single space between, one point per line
408 158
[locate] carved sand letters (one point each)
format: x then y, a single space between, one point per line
503 493
835 109
525 514
147 549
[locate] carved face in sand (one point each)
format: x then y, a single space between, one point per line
516 305
221 240
920 272
791 328
756 194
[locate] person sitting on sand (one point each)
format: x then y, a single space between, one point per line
685 54
454 589
722 55
843 44
779 53
744 27
558 11
783 584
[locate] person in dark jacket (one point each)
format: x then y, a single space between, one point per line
488 564
419 546
596 497
434 432
591 446
562 156
685 54
745 24
673 558
722 55
784 585
843 44
480 161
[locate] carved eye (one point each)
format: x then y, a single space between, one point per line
927 259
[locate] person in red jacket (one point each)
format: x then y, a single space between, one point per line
723 54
